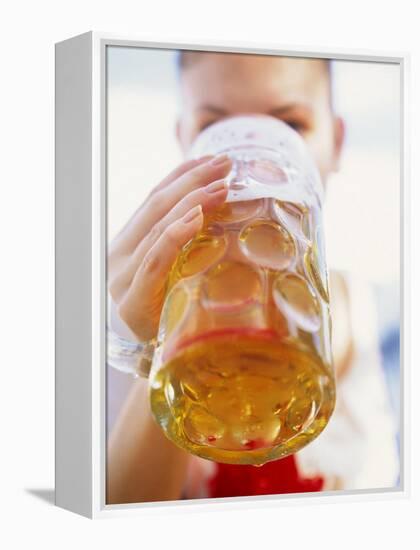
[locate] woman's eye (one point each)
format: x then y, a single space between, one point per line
298 126
300 123
206 123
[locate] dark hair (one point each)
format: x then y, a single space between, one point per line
186 57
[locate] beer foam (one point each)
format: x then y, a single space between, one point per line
270 159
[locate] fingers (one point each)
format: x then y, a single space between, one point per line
162 201
175 174
179 171
140 258
203 174
141 306
124 239
210 197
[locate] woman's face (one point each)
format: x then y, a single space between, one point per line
297 91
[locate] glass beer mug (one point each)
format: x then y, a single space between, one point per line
242 371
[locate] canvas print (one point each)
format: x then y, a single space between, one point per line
253 275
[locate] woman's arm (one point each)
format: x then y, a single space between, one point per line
143 465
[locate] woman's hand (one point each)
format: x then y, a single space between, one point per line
141 256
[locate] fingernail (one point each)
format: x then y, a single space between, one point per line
204 158
215 187
221 159
192 214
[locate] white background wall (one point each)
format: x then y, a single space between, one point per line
28 32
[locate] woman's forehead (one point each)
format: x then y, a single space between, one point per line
227 79
217 62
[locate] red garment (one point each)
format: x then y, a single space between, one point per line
273 478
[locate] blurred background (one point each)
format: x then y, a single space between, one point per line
362 210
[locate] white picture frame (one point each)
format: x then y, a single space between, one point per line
81 270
